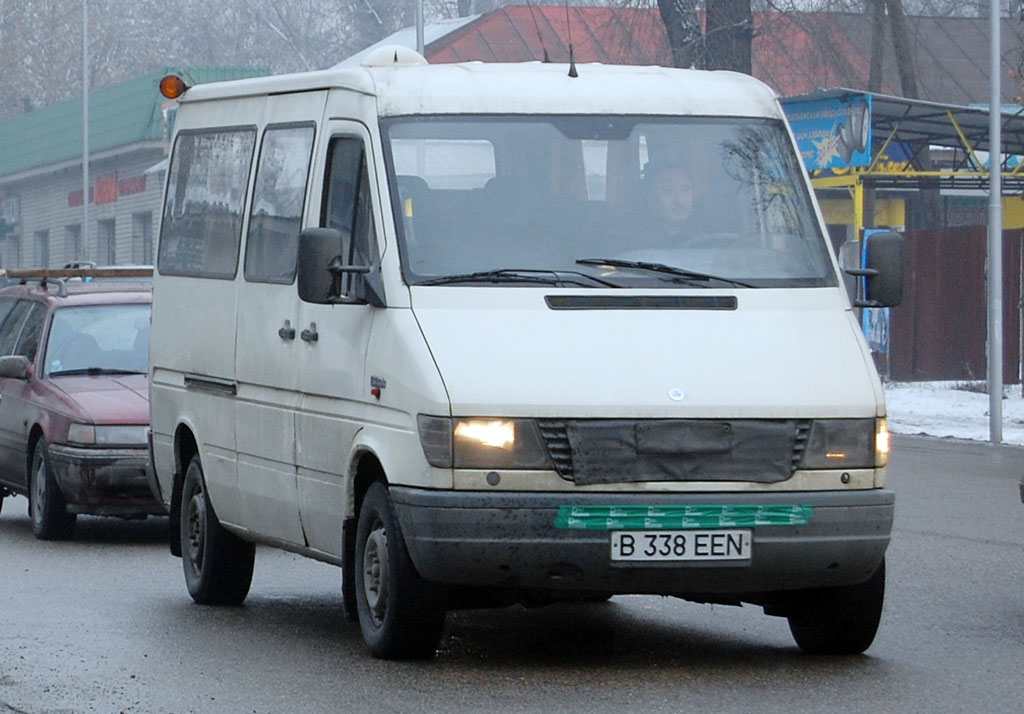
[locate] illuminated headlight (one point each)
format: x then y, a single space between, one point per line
92 435
846 444
483 443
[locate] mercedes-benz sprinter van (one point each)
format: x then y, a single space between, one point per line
482 334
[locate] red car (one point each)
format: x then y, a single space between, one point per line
74 407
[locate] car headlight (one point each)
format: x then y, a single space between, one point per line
483 443
93 435
846 444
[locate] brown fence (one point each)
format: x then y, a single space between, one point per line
939 331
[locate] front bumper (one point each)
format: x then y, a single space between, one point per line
105 482
510 540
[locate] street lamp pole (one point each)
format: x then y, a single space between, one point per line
85 127
419 27
995 235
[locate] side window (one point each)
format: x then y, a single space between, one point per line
12 325
202 220
6 305
347 206
31 331
276 213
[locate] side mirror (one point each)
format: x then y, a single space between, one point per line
320 270
884 259
15 367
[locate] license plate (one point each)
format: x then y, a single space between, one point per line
666 545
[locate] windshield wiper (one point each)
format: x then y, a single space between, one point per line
521 275
92 371
687 275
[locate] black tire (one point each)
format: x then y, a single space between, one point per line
839 621
400 614
218 564
46 507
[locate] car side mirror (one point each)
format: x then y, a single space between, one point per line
15 367
884 261
320 270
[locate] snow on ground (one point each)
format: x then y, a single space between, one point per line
956 409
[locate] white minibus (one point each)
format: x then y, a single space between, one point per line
485 334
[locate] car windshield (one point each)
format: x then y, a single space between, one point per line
98 339
632 201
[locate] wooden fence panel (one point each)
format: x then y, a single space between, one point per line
939 331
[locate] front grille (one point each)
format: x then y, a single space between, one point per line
556 437
803 433
560 446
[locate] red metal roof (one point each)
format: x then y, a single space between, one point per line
795 53
523 33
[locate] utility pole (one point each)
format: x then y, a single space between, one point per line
420 47
85 127
995 235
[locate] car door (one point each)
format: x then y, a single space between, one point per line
266 334
333 339
20 335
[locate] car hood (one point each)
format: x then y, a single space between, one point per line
108 399
794 353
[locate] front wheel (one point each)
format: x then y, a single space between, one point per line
218 564
840 620
46 507
400 614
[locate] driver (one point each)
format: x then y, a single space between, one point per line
669 191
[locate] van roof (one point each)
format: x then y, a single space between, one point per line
523 88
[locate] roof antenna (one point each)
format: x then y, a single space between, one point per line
568 27
533 16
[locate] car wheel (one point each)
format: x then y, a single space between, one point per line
46 507
218 564
840 620
400 614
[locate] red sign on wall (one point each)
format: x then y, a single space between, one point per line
132 184
105 190
108 189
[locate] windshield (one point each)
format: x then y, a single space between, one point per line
602 201
98 339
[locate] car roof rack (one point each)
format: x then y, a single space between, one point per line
81 271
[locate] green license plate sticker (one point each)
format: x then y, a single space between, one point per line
681 517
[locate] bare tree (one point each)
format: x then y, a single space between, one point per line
730 29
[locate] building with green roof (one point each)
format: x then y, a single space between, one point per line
41 175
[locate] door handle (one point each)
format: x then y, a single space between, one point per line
286 332
310 334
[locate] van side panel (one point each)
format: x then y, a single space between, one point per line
192 344
267 343
192 381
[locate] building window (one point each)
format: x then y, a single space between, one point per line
43 248
106 250
142 238
73 243
14 250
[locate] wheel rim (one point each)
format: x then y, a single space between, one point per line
38 491
375 572
195 530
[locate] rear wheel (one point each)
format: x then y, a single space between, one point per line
840 620
46 507
400 614
218 564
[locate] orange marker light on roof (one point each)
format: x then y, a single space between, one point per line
172 86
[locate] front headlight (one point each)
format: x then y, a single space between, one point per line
846 444
93 435
483 443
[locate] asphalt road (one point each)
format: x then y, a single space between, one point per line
103 623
